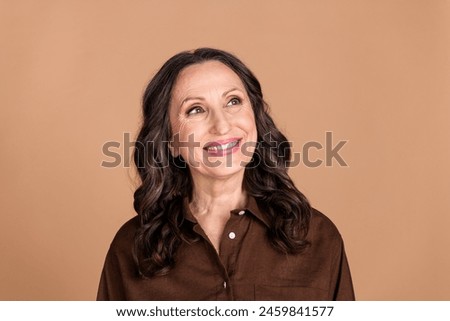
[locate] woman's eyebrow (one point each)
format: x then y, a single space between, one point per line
185 100
230 90
202 98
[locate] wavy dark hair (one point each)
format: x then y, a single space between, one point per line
166 181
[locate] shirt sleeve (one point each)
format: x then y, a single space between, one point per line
119 269
341 286
111 280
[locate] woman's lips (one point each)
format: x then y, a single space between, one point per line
222 147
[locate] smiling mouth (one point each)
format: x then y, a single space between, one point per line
217 148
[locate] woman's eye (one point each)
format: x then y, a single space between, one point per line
195 110
234 101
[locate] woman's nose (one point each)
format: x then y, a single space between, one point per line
220 124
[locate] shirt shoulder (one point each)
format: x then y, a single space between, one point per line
124 238
321 228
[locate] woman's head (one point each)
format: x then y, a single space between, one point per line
167 100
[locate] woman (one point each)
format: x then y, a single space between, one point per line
218 216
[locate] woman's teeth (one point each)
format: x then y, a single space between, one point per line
222 147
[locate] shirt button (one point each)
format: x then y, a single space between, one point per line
241 213
225 285
232 235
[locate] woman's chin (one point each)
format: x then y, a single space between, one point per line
222 171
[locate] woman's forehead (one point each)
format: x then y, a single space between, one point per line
206 76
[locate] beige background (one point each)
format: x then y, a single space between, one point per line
375 73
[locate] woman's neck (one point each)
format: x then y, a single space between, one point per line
216 196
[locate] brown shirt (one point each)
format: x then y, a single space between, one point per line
247 268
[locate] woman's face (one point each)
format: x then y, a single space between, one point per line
212 121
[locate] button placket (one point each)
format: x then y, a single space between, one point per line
233 235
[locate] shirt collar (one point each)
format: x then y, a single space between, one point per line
252 207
